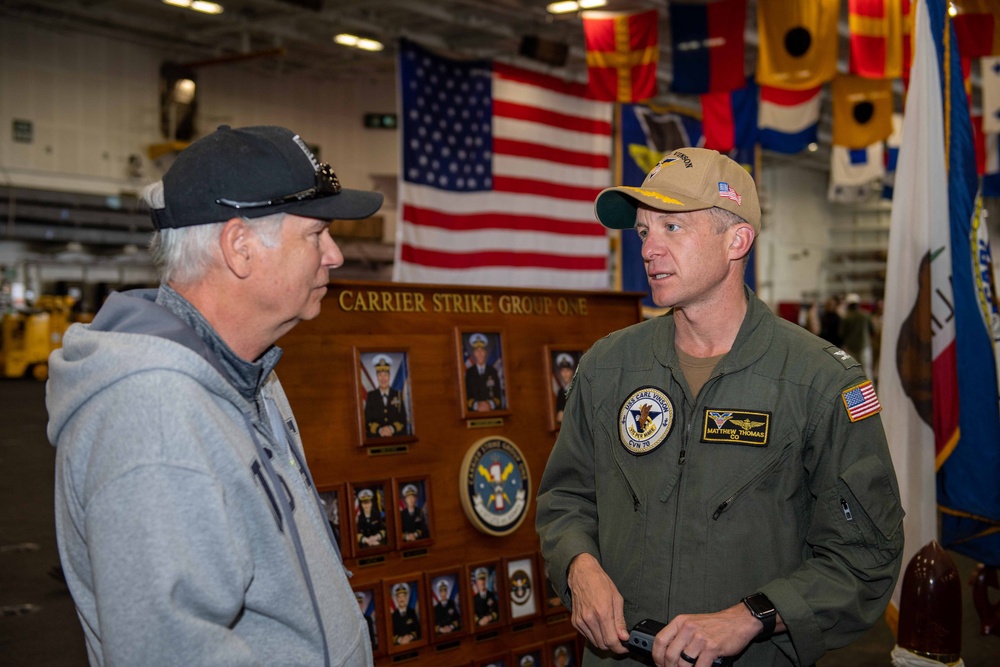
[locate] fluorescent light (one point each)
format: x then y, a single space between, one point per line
197 5
358 42
370 45
206 7
567 6
563 7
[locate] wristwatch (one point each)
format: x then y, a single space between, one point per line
762 609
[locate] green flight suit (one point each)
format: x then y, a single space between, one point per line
761 483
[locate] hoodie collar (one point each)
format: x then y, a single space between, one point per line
247 377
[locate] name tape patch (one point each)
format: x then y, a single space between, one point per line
736 427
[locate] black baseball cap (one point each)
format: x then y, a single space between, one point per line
252 172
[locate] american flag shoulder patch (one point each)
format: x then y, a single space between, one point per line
861 401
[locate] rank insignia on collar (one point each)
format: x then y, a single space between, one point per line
736 427
645 420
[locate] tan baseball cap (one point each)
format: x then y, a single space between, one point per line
687 179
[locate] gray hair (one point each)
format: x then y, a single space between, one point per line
182 255
724 219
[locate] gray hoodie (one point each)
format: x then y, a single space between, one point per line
188 526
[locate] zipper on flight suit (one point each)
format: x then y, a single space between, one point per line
847 509
628 485
728 502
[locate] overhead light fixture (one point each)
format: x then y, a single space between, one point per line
567 6
362 43
197 5
813 147
952 9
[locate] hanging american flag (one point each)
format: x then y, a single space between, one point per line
500 170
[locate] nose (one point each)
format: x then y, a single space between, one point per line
332 257
649 248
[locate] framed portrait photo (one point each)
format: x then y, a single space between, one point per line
486 600
385 401
529 656
448 596
371 519
522 584
561 363
370 601
562 652
481 373
406 610
334 500
413 512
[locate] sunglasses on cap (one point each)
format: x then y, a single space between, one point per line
326 186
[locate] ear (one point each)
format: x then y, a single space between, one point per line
742 240
237 248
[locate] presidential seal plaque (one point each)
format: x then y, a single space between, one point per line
495 486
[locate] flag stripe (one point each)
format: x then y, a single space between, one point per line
788 120
513 204
533 187
492 240
493 276
460 222
554 180
552 137
502 109
517 148
496 258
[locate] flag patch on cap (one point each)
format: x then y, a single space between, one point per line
729 193
861 401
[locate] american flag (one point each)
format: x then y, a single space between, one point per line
500 170
861 401
729 193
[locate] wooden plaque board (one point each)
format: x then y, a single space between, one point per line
319 371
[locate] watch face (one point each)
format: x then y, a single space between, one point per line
760 605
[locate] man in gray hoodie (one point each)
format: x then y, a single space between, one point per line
188 523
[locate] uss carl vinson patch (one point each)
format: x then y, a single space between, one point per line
645 419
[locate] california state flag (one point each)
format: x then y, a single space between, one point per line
916 367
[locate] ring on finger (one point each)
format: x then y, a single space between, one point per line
686 658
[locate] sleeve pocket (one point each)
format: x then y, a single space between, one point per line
869 512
